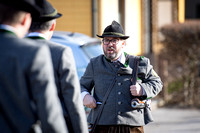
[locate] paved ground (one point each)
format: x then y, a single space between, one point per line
173 120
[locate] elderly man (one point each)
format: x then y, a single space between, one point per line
65 74
113 72
28 96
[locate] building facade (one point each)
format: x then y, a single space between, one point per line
141 19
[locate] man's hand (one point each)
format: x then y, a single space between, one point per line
89 101
136 90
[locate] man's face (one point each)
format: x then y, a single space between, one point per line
113 47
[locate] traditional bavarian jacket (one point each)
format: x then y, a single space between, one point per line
67 83
117 110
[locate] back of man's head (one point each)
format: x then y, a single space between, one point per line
46 20
9 15
31 6
37 26
17 13
18 19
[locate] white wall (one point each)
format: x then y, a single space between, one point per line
132 21
164 12
109 12
133 26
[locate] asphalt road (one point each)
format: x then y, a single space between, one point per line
174 120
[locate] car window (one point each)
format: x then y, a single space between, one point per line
83 47
92 50
81 59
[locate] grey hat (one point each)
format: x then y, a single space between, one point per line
48 12
114 30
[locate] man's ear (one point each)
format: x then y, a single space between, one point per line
26 19
53 26
123 43
24 25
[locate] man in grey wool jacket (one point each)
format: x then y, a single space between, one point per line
64 67
117 115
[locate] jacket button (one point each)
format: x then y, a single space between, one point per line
119 93
118 75
119 84
119 113
119 102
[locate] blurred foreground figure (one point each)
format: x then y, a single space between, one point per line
66 77
28 95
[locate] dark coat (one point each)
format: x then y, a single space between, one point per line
68 85
27 88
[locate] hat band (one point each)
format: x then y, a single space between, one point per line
52 14
112 33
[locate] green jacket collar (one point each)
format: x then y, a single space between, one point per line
7 29
36 37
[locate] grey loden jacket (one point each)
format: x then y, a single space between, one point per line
117 109
27 88
68 85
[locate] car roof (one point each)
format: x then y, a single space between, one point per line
74 37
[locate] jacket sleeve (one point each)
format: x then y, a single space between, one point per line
44 93
70 90
87 80
151 82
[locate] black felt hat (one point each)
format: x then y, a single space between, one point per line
114 30
48 12
31 6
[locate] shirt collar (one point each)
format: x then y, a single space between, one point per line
121 59
8 28
37 34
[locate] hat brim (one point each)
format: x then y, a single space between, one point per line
23 6
44 19
122 37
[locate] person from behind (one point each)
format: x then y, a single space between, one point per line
28 95
65 74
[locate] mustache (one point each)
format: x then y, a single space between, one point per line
111 48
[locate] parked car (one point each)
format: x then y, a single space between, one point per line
83 47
